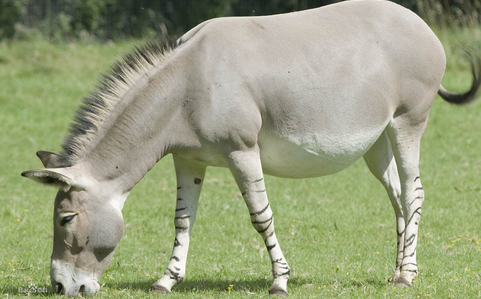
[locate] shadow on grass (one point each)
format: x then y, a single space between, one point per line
194 285
255 285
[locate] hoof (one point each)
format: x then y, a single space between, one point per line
159 289
403 282
278 292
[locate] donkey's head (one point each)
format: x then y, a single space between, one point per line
87 225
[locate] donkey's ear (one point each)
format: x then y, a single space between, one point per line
49 159
58 177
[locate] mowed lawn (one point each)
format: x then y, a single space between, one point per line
337 232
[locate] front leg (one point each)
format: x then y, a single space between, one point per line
189 183
247 170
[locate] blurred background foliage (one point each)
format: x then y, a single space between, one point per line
115 19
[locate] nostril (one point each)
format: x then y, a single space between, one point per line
58 288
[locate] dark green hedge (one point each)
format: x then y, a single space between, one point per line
112 19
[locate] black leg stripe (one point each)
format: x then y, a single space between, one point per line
410 240
261 222
265 229
261 211
268 236
172 274
282 274
176 243
417 211
416 198
412 264
279 261
269 248
412 254
401 233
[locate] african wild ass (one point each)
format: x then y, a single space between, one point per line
296 95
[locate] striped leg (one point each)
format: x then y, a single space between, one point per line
405 139
246 169
189 184
412 209
381 162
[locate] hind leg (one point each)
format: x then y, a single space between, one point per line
405 134
380 160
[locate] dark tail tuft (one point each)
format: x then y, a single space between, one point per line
469 96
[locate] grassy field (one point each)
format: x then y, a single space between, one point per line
337 232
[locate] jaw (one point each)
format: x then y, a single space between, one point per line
70 281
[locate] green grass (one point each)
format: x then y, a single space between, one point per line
337 232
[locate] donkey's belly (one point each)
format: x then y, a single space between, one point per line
312 156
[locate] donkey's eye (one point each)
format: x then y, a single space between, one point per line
67 219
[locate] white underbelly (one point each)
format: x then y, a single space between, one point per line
312 156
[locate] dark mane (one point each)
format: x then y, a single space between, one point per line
109 92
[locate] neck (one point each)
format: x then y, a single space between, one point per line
141 131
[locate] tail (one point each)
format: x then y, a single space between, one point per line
469 96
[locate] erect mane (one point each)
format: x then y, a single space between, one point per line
109 92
